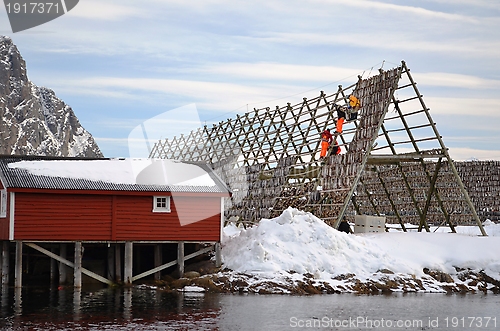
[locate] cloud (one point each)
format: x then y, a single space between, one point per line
100 10
417 11
399 41
465 153
216 96
464 106
456 80
282 71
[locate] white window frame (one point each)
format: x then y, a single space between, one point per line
3 203
161 209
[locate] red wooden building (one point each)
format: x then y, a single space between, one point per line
81 201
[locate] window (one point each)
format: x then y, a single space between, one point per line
161 204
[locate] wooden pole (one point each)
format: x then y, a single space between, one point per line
18 273
5 264
53 268
218 255
78 265
63 277
180 258
158 260
111 261
118 263
128 263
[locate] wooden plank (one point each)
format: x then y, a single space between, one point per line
68 263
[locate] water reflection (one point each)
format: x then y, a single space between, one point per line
77 304
148 309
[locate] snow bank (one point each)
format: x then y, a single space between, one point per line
297 242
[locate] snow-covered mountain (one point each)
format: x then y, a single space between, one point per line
33 120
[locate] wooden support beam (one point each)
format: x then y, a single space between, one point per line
180 258
53 268
118 263
218 255
5 263
398 158
18 271
127 276
172 263
63 272
158 260
77 271
111 261
68 263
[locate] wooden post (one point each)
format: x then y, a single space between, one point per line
111 261
78 265
18 273
128 263
118 263
180 258
62 267
52 268
77 304
158 260
5 264
218 255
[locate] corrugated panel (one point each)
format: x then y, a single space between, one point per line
21 178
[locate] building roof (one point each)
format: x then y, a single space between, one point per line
105 174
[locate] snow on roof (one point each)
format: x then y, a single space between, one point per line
121 171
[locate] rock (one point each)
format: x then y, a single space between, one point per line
33 120
439 275
191 274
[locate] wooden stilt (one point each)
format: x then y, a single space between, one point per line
78 265
5 264
218 255
158 260
128 263
118 263
18 273
180 258
111 261
63 277
53 268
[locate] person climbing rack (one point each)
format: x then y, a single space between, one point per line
326 140
352 109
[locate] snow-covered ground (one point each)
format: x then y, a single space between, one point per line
298 247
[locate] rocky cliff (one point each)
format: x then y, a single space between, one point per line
33 120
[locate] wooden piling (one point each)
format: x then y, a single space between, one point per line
18 271
180 258
78 265
5 263
63 271
127 277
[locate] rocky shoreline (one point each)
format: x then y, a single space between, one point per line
382 282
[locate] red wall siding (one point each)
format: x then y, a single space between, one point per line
62 217
136 221
90 217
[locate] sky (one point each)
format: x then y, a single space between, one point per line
120 63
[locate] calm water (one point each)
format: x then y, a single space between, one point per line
143 309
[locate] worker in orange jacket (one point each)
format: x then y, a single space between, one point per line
326 140
352 108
